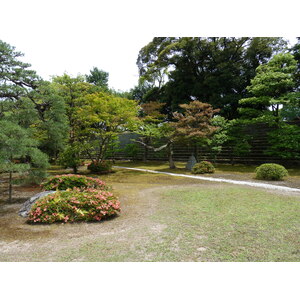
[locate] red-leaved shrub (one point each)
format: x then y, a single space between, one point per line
74 205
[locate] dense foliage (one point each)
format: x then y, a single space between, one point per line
200 92
102 118
101 167
75 205
271 172
203 167
194 124
69 181
271 87
215 70
285 142
19 153
98 77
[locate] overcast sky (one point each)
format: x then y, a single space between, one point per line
74 36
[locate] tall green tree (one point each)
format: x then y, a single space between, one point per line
103 118
272 86
30 99
275 98
72 91
19 152
295 51
214 70
98 77
192 125
50 126
16 79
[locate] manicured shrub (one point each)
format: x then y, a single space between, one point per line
203 167
101 167
271 172
69 181
74 205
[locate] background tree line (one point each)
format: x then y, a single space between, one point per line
250 80
201 90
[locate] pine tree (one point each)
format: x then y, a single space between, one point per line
18 151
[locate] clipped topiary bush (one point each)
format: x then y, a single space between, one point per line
101 167
69 181
271 172
74 205
203 167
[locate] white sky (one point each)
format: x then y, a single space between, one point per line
73 36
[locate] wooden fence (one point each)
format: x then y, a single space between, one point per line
258 145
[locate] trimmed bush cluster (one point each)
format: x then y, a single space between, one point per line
74 205
203 167
69 181
101 167
78 198
271 172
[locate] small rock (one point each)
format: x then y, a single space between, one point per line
201 249
191 162
25 209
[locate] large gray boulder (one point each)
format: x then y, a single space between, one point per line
191 162
25 209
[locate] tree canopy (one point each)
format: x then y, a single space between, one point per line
213 70
98 77
272 85
16 79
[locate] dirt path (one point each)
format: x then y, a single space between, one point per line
20 241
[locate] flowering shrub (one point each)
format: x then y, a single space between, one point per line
101 167
69 181
203 167
271 172
74 205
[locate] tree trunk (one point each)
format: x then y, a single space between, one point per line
196 151
10 187
145 154
75 169
170 157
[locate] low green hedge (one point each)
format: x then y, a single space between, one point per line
203 167
271 172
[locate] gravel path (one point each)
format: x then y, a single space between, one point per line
249 183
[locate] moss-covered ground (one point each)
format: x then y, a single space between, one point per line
165 218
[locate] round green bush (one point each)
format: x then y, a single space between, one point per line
74 205
203 167
101 167
69 181
271 172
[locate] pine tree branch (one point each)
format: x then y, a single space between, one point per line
152 148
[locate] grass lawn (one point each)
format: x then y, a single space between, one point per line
236 172
229 223
166 219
